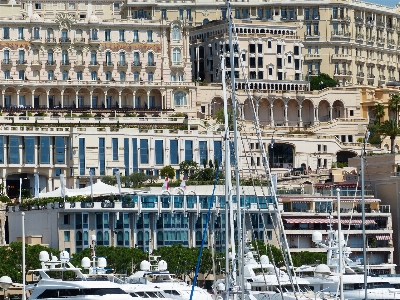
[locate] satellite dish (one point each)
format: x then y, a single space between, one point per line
5 282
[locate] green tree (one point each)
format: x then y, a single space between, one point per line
264 250
205 174
111 180
391 129
168 171
322 81
136 178
188 167
220 118
379 111
394 103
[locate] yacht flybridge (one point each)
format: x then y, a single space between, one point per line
78 288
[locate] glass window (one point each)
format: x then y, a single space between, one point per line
150 76
122 76
217 151
136 76
126 156
79 75
21 74
159 151
20 33
67 236
95 35
29 149
108 77
180 99
174 152
135 163
93 75
102 158
60 150
203 152
6 74
176 33
107 35
150 35
188 150
44 150
65 75
176 55
150 59
144 151
122 35
1 149
50 75
81 151
6 33
114 148
136 36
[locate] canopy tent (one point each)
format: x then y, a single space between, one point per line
99 188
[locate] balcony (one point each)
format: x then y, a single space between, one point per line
80 64
382 77
94 41
21 62
122 64
359 20
50 40
36 40
6 62
341 57
94 64
108 64
65 62
79 40
370 40
370 76
312 35
360 74
151 65
312 57
136 64
381 42
64 40
50 63
36 63
339 35
359 37
380 24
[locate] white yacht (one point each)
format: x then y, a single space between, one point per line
79 288
326 278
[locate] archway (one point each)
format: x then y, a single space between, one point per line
279 109
307 112
323 111
338 110
293 112
264 112
343 156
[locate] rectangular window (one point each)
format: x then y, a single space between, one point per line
159 151
136 36
102 156
135 163
217 152
144 151
59 150
44 150
81 151
66 236
14 149
107 35
6 33
114 148
188 150
66 219
126 156
29 148
163 14
122 35
20 33
150 36
203 152
174 152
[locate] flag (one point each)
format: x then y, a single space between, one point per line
165 185
118 176
37 189
183 183
62 184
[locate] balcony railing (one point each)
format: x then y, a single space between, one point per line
65 40
93 63
79 40
136 64
21 62
6 61
50 63
65 63
108 64
50 40
151 64
36 63
122 64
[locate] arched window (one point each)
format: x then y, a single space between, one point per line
176 55
180 99
126 238
85 237
176 33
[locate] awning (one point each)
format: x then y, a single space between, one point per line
383 237
345 221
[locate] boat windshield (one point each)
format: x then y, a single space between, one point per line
260 271
63 293
298 288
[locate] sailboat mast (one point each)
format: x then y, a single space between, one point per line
227 174
236 147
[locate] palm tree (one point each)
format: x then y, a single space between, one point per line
394 103
391 129
379 111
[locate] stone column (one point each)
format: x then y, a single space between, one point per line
272 115
300 118
330 113
2 95
90 99
316 119
62 99
47 98
105 99
148 99
76 99
33 100
17 98
119 99
286 116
